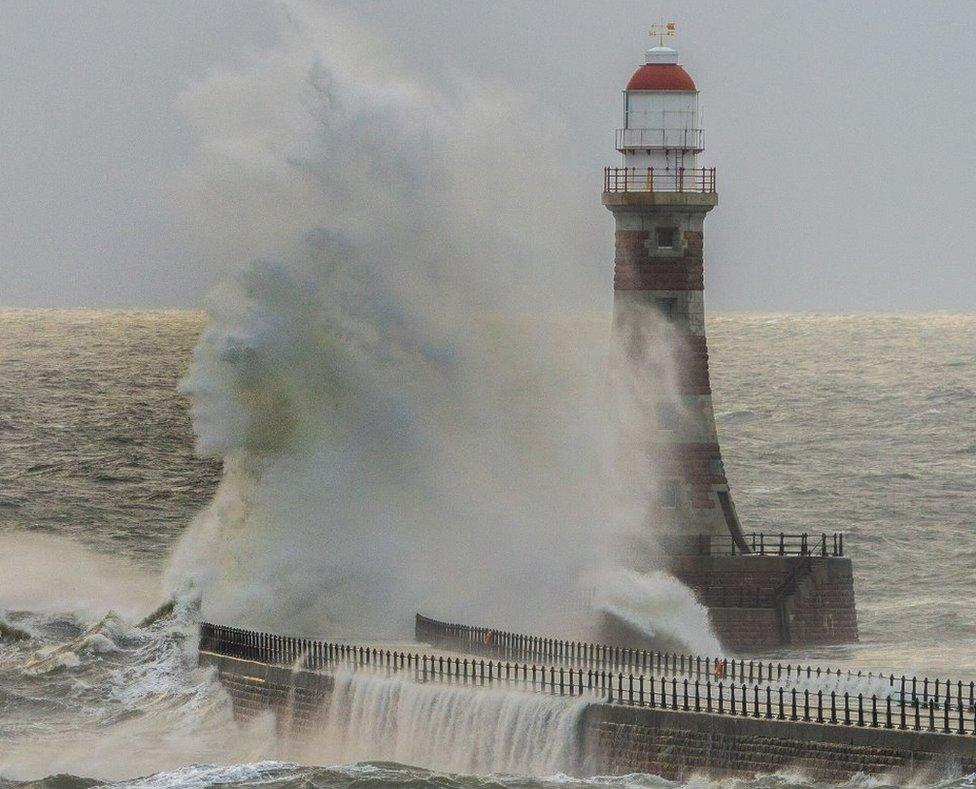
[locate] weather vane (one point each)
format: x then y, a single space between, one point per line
662 30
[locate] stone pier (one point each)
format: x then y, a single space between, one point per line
648 721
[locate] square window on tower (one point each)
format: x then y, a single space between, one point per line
667 494
667 237
666 307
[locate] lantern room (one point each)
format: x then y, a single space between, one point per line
661 125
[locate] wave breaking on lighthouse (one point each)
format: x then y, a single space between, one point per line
408 405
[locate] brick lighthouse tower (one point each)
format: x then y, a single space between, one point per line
761 589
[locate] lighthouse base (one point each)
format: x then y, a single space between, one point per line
765 602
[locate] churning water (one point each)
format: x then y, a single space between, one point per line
863 424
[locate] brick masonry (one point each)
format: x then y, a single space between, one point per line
637 267
678 745
699 466
820 611
674 744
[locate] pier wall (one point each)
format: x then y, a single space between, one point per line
619 739
749 608
676 744
295 697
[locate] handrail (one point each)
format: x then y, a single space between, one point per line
760 544
674 138
489 641
788 587
699 180
710 697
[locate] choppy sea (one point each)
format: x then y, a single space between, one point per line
861 424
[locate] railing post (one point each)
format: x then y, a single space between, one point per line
959 704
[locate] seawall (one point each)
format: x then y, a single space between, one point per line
623 730
677 744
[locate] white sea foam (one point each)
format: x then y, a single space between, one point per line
659 605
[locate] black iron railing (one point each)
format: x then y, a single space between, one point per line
518 646
759 544
721 696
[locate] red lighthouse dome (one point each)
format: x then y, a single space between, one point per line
661 76
661 71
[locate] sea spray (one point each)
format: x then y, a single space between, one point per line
458 729
660 606
407 420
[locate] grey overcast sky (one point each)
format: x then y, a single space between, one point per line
843 133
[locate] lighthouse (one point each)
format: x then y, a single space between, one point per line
762 589
659 196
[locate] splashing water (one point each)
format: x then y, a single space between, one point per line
661 606
457 729
406 422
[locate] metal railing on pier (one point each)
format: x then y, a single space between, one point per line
716 697
578 654
699 180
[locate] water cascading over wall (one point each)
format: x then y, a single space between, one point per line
460 729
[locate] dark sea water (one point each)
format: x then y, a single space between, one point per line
860 424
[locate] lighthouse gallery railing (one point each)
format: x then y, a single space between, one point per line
699 180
